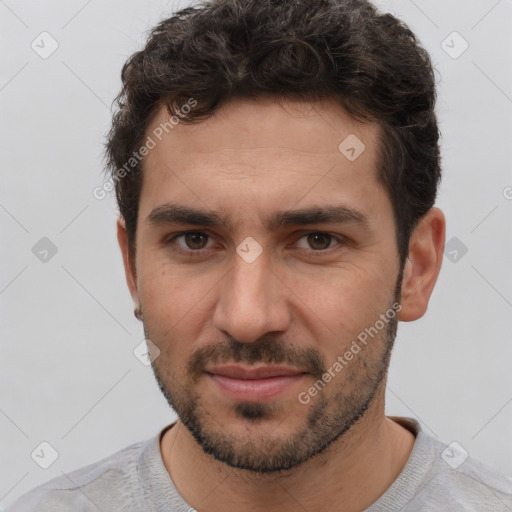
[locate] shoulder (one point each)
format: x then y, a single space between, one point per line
460 479
441 476
111 481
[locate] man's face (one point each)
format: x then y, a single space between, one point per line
267 288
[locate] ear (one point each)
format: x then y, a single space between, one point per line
423 265
129 265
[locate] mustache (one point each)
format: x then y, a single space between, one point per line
264 350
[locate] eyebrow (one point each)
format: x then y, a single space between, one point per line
181 214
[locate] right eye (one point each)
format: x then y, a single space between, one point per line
190 241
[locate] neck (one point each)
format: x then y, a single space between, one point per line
354 471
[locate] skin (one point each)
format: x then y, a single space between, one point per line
304 299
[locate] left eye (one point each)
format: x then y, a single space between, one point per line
319 241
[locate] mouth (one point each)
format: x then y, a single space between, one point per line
254 384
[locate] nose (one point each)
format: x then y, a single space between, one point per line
252 301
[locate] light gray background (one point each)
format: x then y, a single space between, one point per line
68 375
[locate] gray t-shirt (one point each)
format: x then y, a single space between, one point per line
437 477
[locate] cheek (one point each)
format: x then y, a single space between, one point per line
340 307
169 304
167 291
175 307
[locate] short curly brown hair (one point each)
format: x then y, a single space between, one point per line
368 61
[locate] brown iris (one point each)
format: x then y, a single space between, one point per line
196 240
319 241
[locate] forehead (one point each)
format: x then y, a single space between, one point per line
266 123
264 152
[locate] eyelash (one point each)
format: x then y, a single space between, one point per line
200 252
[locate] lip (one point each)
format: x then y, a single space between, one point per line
254 385
261 372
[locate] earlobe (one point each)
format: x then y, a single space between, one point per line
129 265
423 264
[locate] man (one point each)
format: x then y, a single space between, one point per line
276 165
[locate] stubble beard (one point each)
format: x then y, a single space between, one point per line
330 415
